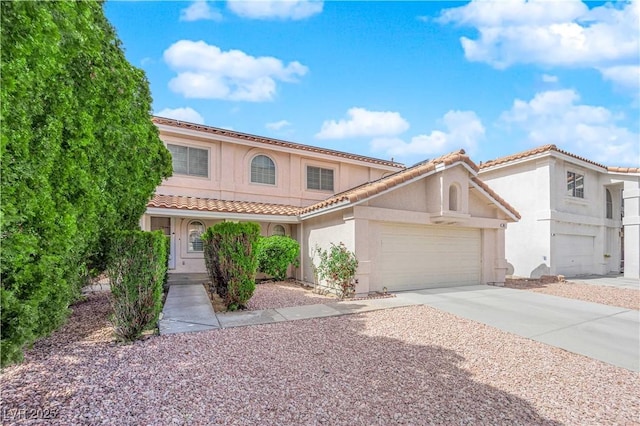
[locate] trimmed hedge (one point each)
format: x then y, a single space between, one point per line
80 158
275 254
137 271
230 256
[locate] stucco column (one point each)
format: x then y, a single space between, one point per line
500 262
631 224
362 242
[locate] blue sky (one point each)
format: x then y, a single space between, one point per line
402 80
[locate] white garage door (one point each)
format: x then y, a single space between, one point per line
574 254
415 257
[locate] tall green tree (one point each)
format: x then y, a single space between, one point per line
80 158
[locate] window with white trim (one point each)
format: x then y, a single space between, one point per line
263 170
575 185
189 161
195 231
319 178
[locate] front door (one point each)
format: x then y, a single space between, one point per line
164 224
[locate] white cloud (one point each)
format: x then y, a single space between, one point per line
362 122
183 114
275 9
591 131
548 78
625 76
463 130
206 72
565 33
278 125
200 10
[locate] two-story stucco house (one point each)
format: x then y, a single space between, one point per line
433 224
578 217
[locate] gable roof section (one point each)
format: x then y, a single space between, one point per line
268 141
495 196
374 188
553 148
181 202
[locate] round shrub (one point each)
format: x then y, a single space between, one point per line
275 254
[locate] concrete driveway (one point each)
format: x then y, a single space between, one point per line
606 333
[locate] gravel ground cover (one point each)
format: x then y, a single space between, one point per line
612 296
281 294
413 365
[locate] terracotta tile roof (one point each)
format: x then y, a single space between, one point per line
532 152
269 141
211 205
372 188
495 196
624 169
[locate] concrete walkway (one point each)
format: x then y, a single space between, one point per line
186 309
602 332
608 280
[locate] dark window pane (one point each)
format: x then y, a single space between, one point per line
263 170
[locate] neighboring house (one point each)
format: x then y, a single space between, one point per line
578 217
430 225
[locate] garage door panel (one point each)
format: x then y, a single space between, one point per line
575 254
416 257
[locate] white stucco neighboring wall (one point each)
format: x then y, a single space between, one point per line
527 241
560 233
631 224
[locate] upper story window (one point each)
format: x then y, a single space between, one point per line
189 161
318 178
609 204
575 185
263 170
196 229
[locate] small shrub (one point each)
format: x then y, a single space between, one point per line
275 254
137 270
230 256
338 267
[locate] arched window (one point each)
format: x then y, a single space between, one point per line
278 230
263 170
609 204
453 198
196 229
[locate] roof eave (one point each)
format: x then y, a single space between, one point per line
279 145
207 214
502 207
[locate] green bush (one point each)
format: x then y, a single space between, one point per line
275 254
230 256
80 158
137 270
338 267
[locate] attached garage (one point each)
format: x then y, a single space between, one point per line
432 225
574 254
418 257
